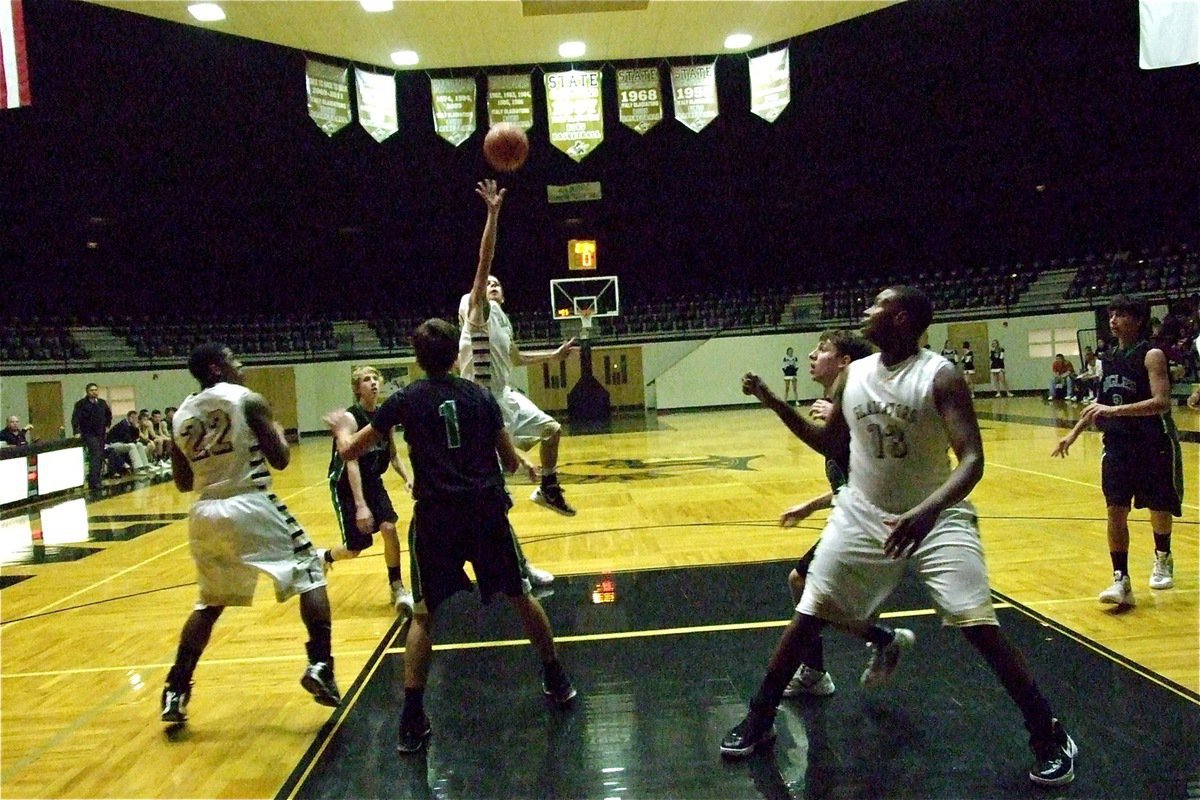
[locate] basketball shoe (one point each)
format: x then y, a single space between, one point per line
1054 758
402 599
556 685
885 659
758 728
174 705
538 578
551 496
1120 593
414 734
318 681
1163 574
809 681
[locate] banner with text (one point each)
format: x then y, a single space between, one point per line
770 84
510 99
376 103
328 96
574 111
639 97
695 92
453 108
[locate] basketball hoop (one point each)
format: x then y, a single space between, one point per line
585 323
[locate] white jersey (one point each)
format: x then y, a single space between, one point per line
211 431
898 441
485 351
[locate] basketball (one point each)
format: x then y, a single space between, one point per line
505 147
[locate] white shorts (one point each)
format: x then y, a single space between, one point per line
233 539
525 422
851 576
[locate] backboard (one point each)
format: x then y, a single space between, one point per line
600 295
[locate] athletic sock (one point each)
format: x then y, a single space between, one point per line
1039 719
414 703
1120 562
329 556
393 575
550 477
1162 542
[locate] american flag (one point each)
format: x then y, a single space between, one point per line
14 69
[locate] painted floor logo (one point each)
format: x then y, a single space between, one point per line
622 470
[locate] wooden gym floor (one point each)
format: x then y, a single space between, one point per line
677 518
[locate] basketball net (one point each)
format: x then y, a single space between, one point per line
585 322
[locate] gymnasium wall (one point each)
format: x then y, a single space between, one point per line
679 374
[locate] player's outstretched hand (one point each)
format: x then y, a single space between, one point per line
566 348
796 514
821 409
753 385
364 521
339 421
1063 446
529 467
493 197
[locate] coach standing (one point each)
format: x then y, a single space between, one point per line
90 420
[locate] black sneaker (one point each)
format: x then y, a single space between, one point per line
756 729
1054 758
557 686
414 735
174 705
551 497
318 681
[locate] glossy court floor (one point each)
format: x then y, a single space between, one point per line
676 534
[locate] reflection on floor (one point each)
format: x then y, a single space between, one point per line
667 666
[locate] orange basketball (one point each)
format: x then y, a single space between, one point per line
505 147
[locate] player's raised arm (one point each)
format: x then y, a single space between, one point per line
493 198
828 439
351 442
269 432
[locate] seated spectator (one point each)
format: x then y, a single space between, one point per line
1062 373
155 446
1087 382
162 433
14 434
124 439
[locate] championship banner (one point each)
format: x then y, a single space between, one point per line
453 108
510 99
574 111
376 104
639 98
328 96
14 66
695 93
770 84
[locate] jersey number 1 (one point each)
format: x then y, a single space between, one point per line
449 413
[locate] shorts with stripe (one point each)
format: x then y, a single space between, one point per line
233 539
1148 474
524 421
446 533
851 576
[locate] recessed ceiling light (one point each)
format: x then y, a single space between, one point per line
405 58
375 6
572 49
206 12
736 41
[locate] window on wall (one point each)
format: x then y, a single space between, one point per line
1047 342
121 399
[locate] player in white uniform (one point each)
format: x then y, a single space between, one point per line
224 438
487 354
902 409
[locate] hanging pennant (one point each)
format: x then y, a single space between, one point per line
376 103
770 84
510 99
574 111
328 96
695 92
453 108
639 98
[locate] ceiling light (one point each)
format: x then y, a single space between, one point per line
405 58
206 12
375 6
572 49
736 41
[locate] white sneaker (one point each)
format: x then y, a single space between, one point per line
538 577
1120 593
1163 574
884 660
402 600
809 681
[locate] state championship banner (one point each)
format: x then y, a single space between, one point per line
695 92
770 84
328 96
1169 33
453 108
14 67
376 103
574 111
510 99
639 98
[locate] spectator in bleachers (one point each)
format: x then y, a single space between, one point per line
162 433
996 364
15 434
89 421
124 439
1087 382
1062 373
155 445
